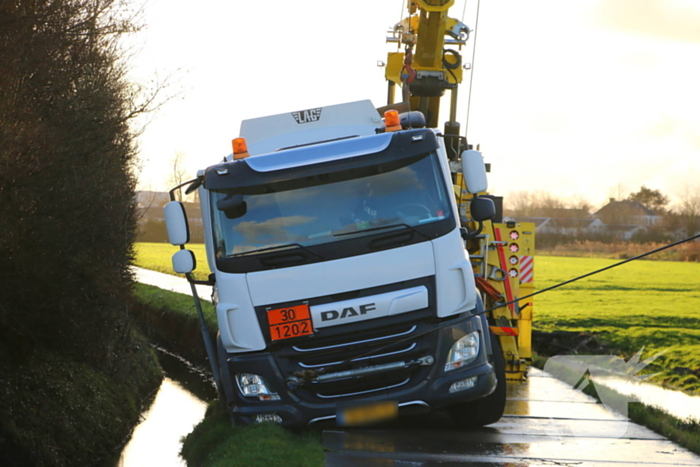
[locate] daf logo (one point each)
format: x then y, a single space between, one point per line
307 116
347 312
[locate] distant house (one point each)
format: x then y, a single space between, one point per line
575 227
626 219
569 222
627 213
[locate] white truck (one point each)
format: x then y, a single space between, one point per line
342 287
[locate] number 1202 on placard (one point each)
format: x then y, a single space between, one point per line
293 321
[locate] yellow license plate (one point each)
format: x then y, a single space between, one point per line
367 413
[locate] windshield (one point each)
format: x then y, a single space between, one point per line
315 211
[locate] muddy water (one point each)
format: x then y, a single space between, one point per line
676 403
179 405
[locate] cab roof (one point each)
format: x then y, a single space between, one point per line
271 133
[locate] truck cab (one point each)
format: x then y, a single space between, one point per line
342 287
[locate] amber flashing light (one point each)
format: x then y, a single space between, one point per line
392 120
240 148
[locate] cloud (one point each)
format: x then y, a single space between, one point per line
669 19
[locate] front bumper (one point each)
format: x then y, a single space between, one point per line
415 389
421 398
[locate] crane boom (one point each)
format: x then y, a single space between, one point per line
427 67
430 64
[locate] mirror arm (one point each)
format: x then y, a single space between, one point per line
191 280
197 182
473 234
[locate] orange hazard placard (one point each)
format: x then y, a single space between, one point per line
287 322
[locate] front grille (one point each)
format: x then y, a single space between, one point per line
378 340
329 393
327 364
385 344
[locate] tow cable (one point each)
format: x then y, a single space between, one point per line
300 378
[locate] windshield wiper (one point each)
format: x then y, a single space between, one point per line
278 247
383 227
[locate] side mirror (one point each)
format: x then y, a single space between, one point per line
176 223
474 171
184 262
233 206
482 209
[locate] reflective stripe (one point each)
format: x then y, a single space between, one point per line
527 268
504 330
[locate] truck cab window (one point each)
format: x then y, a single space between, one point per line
323 209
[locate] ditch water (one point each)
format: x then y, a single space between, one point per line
179 405
676 403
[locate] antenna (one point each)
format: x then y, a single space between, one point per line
471 68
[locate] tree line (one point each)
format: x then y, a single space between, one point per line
671 221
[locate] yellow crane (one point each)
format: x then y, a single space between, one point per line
427 64
426 67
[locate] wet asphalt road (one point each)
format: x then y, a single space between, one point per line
546 423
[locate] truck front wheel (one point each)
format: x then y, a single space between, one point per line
488 410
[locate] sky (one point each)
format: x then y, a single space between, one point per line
590 98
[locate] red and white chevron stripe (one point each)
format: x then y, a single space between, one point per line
527 268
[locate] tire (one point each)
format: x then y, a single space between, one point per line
487 410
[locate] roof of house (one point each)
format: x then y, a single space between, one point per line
629 207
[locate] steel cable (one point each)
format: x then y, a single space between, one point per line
598 271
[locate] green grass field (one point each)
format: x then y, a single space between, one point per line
157 257
653 305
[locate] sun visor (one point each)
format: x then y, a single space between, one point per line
323 158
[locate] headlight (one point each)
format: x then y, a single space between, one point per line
255 386
463 351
